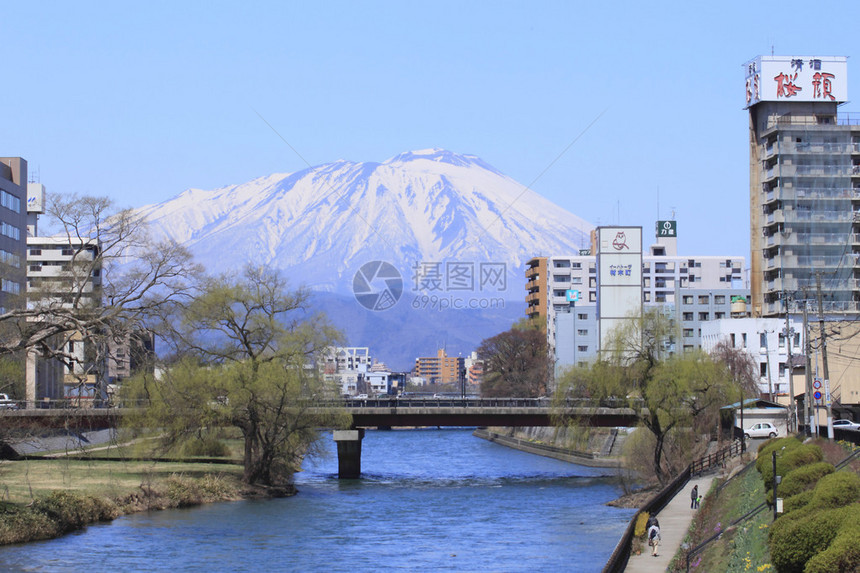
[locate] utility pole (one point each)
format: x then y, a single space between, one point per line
824 357
807 401
792 404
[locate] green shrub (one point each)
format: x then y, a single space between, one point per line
804 478
843 555
836 490
801 479
205 447
775 444
22 524
794 542
72 510
789 460
795 502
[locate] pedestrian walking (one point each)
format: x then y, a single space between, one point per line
654 538
694 497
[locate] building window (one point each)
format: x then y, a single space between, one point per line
582 316
781 340
581 332
744 335
719 315
687 316
687 299
647 296
592 297
688 333
732 336
575 265
763 369
582 348
762 339
704 299
576 280
704 316
719 299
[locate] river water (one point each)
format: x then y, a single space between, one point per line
428 500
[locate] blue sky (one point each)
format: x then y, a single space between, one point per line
141 100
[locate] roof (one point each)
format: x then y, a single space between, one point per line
754 403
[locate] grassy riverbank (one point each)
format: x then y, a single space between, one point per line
48 497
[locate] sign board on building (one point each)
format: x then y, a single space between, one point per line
35 198
667 228
584 252
796 78
619 278
572 295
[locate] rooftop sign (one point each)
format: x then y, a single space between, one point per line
796 78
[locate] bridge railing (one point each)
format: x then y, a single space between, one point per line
447 402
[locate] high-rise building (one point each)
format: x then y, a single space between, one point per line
13 230
804 184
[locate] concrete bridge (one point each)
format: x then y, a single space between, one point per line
462 412
372 413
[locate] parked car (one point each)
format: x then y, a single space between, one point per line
761 430
846 424
7 404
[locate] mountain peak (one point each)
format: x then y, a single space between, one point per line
440 155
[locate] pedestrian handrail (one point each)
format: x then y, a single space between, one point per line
621 555
707 462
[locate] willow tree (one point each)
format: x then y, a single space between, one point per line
248 348
668 391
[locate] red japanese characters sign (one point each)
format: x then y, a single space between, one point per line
794 78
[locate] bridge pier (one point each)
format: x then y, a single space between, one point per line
348 453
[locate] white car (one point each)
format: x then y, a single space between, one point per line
846 424
761 430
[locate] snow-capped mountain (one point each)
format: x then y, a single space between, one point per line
455 232
323 223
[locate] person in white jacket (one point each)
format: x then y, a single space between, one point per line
654 538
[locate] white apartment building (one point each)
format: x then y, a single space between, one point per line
63 272
693 289
348 367
765 340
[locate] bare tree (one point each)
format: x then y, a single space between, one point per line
113 279
739 365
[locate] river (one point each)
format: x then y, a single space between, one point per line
428 500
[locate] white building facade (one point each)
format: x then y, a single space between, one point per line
765 340
691 289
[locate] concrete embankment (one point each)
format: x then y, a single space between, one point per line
539 441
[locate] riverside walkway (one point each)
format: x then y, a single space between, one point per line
675 521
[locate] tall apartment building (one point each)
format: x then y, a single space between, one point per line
13 230
692 289
804 184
